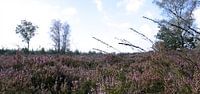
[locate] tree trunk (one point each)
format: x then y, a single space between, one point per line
28 45
59 45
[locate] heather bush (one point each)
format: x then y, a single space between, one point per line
151 72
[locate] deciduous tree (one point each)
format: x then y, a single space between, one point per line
60 35
27 30
178 29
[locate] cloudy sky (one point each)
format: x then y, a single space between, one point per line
103 19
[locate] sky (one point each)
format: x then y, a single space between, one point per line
108 20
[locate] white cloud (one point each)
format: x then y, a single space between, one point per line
99 5
130 5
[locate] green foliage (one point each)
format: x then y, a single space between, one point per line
86 87
155 87
27 30
77 52
91 52
7 51
171 40
186 89
25 50
178 30
42 51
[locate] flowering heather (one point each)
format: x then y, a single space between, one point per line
138 73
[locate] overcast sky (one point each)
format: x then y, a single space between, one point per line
103 19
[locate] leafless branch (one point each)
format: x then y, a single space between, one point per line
146 38
174 26
183 20
100 50
125 41
126 44
106 44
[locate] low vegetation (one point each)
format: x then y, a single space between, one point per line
139 73
173 67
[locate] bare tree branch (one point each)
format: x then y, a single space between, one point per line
132 46
146 38
106 44
100 50
183 20
174 26
125 41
